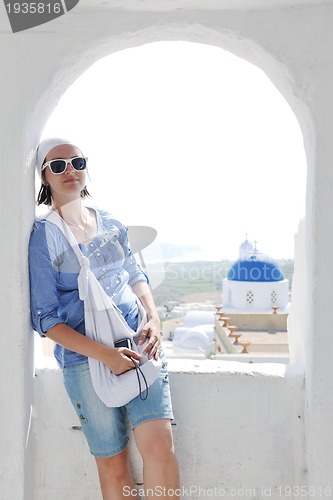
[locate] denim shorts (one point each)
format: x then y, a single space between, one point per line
105 428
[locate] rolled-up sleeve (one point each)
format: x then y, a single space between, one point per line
43 274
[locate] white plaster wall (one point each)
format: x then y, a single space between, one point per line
261 295
301 303
292 42
235 427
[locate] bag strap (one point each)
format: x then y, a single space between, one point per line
83 278
55 218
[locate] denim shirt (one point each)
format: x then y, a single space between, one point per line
54 269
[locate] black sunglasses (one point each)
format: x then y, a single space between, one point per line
59 165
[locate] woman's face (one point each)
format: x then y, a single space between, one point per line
69 184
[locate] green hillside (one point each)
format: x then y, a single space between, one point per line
183 279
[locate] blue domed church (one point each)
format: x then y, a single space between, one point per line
255 282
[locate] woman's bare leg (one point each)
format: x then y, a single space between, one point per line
160 466
115 477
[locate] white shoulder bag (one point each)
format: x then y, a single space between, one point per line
105 324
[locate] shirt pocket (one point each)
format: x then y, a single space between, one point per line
112 251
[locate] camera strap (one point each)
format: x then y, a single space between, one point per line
138 370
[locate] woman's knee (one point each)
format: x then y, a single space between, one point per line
154 438
115 467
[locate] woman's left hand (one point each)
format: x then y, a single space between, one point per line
151 331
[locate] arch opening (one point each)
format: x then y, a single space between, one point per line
127 143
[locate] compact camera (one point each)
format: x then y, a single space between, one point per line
123 343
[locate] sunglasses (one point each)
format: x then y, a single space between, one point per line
58 166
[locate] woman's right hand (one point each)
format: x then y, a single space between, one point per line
118 361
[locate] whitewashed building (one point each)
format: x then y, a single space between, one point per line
196 333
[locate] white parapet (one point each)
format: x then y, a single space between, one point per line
237 427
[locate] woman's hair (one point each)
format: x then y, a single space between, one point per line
45 196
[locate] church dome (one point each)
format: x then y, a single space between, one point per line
255 270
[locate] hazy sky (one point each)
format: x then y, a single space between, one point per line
193 141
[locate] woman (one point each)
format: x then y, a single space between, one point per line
58 313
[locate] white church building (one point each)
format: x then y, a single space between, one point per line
255 283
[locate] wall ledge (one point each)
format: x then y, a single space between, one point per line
211 366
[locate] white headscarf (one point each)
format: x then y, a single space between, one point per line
45 146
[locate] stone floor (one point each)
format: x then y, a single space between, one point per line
265 341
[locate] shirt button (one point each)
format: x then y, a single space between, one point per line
98 254
103 269
107 287
39 312
91 244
